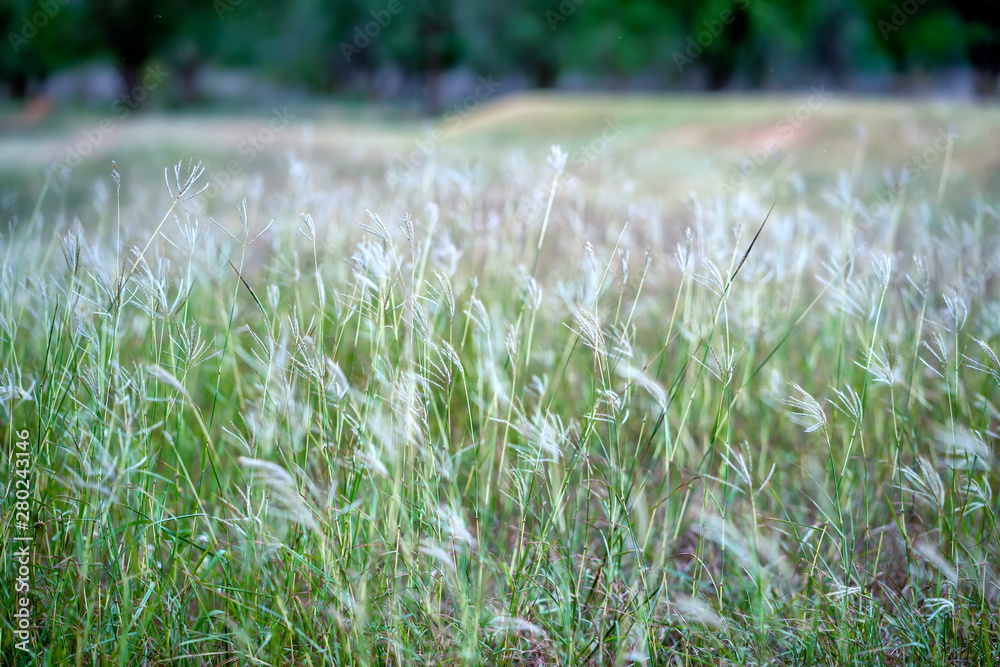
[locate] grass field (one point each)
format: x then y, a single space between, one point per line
714 381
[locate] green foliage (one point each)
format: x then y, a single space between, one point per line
327 44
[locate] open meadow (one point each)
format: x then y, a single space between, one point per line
547 380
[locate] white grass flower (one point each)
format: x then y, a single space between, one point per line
531 294
882 268
273 297
958 309
806 410
938 606
11 389
71 244
978 496
557 159
453 524
992 370
885 371
697 610
589 330
712 279
963 448
724 363
683 254
512 342
933 555
409 230
447 255
194 350
310 231
336 382
449 357
849 402
622 340
940 353
438 554
444 294
741 465
925 484
840 591
285 497
476 311
639 377
504 624
538 386
378 228
921 279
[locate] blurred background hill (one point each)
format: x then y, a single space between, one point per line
427 54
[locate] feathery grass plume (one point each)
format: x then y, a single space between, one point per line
71 244
683 255
963 448
193 350
937 607
850 403
503 624
476 312
978 495
724 363
589 330
336 384
741 464
925 484
11 389
806 410
639 377
992 370
932 555
883 370
940 353
958 310
284 499
712 278
697 610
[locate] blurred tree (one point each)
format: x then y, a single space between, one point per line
618 39
915 36
135 30
423 39
40 38
982 40
336 45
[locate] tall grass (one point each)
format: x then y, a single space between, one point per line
444 432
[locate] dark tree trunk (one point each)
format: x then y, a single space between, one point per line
134 96
985 58
546 73
19 84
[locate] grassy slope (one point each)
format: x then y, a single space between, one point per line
503 436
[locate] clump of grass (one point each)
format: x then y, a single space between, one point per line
454 434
